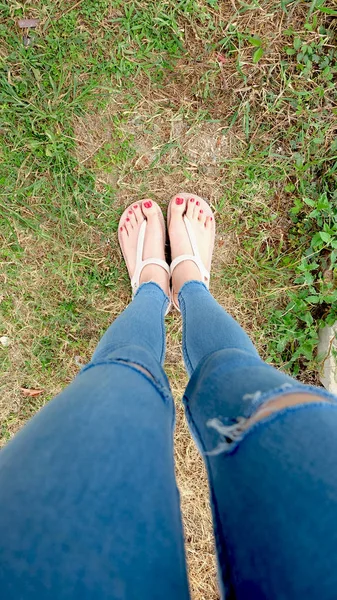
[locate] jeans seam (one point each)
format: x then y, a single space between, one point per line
163 333
185 352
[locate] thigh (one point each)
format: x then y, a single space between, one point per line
89 507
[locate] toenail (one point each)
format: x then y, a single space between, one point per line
211 218
197 203
121 229
201 211
192 200
128 219
135 206
130 212
148 204
179 201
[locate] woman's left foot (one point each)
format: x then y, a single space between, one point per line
201 220
154 243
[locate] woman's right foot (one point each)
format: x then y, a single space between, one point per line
201 218
154 242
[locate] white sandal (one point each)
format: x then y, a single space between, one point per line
195 257
140 263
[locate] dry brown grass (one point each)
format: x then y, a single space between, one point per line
192 483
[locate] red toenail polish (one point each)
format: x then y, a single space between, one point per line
130 212
128 219
147 204
197 203
201 211
192 200
135 206
121 229
179 201
211 218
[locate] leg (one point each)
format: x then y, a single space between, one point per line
269 444
89 507
273 480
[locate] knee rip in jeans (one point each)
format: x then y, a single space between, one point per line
160 386
136 366
260 408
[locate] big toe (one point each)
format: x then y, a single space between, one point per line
149 209
178 205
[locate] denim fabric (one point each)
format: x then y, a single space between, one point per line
89 507
273 486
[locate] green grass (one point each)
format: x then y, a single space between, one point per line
87 115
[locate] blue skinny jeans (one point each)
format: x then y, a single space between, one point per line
89 507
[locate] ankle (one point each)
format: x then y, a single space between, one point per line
183 273
156 275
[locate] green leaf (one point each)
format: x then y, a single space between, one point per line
297 43
316 240
307 318
258 55
328 11
255 41
330 299
326 237
312 299
309 201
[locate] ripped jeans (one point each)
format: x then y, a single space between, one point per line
89 508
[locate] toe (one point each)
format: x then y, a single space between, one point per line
127 225
190 207
197 209
131 215
138 212
149 208
178 205
201 217
208 223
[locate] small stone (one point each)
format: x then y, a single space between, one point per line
28 23
26 41
78 362
5 341
327 350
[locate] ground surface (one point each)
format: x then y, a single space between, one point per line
114 101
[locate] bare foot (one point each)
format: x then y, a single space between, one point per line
154 244
201 218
